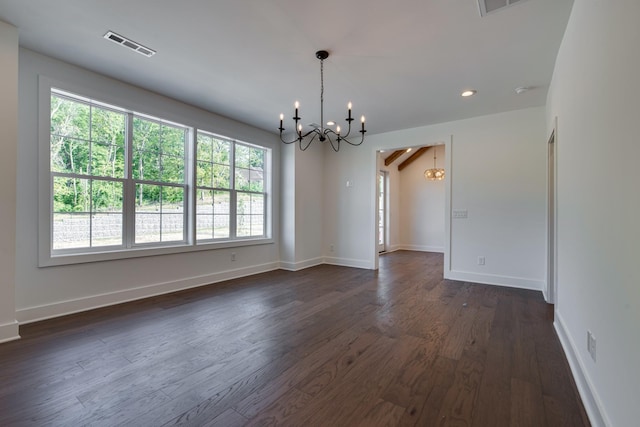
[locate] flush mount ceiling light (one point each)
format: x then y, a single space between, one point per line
434 174
522 89
323 134
468 93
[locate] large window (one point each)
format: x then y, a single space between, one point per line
230 189
121 181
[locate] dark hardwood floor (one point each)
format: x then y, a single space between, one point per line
326 346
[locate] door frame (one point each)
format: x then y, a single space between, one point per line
551 288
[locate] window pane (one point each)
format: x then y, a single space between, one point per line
221 226
70 195
257 158
69 155
204 174
172 226
221 151
106 229
242 179
243 228
172 169
146 135
70 230
221 202
107 127
256 180
69 118
221 176
71 217
204 214
203 150
242 156
173 140
257 204
148 212
107 160
146 166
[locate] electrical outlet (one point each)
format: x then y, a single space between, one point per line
591 345
233 256
481 260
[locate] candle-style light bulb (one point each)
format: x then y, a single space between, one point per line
338 130
281 117
300 128
362 120
297 105
349 109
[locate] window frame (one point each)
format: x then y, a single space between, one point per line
48 257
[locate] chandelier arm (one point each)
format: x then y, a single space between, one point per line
334 145
355 144
288 142
308 142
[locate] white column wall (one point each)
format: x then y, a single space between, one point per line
594 95
8 161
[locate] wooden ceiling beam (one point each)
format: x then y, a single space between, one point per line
392 158
419 152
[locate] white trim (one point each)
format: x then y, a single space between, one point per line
590 399
348 262
9 332
421 248
62 308
448 188
493 279
301 265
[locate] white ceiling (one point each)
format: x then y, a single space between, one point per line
402 63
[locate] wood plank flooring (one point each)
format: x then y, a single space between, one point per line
326 346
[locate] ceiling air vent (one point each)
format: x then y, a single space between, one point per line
123 41
488 6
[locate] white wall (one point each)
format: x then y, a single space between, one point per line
594 94
498 175
52 291
422 207
302 213
8 145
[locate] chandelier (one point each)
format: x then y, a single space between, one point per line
319 131
434 174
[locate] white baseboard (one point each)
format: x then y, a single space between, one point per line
590 399
493 279
421 248
348 262
301 265
9 332
63 308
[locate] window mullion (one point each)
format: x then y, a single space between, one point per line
129 187
233 196
190 177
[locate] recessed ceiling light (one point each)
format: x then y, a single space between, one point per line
467 93
522 89
331 123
